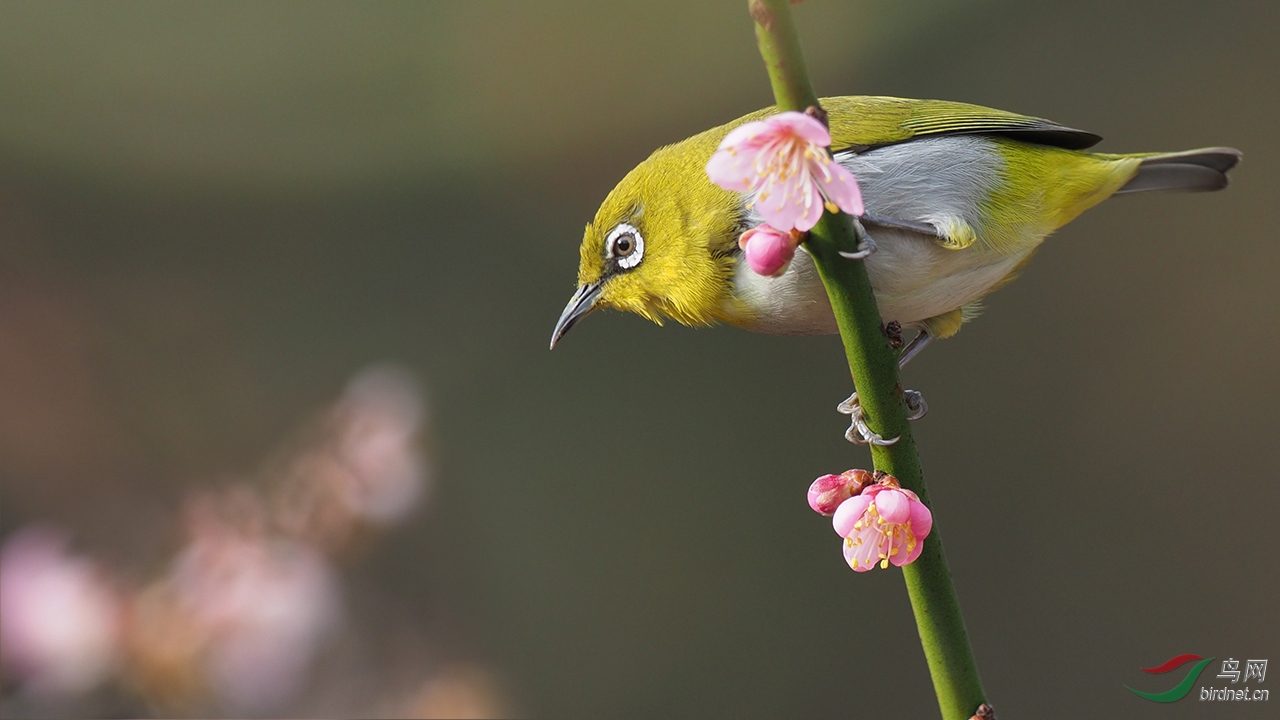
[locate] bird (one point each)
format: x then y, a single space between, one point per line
958 197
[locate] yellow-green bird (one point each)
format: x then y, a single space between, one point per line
958 197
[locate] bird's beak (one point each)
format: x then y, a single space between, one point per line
582 303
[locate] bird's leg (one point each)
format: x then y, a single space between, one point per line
913 348
859 433
866 245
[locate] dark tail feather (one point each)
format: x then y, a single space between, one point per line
1190 171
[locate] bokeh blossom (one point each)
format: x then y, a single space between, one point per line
768 251
264 603
240 615
782 161
884 523
362 468
59 618
249 614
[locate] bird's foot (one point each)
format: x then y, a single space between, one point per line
866 245
916 406
859 433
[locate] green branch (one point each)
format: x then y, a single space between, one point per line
873 364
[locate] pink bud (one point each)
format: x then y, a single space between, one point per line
827 492
768 251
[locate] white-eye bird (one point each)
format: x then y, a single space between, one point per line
958 197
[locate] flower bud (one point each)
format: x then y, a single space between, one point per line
827 492
768 251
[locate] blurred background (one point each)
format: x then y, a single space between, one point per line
280 433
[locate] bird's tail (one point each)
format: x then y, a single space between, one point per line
1200 170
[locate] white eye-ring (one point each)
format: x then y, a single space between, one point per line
625 245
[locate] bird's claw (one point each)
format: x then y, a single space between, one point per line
916 406
866 245
859 433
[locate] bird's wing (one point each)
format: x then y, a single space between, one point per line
863 122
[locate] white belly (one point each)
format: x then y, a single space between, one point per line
914 278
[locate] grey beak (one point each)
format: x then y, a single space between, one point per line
582 303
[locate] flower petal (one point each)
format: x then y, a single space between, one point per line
781 205
849 513
859 557
745 133
805 127
907 556
921 520
732 171
842 189
893 506
811 206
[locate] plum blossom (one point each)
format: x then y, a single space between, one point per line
782 161
59 617
883 524
363 467
381 414
264 606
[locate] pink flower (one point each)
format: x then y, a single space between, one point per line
827 492
379 418
783 162
884 524
262 606
59 617
768 251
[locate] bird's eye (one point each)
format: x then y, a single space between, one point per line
625 246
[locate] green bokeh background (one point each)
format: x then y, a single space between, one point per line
211 215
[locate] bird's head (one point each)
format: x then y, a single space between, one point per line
663 244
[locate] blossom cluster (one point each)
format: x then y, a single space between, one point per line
881 522
252 599
782 162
